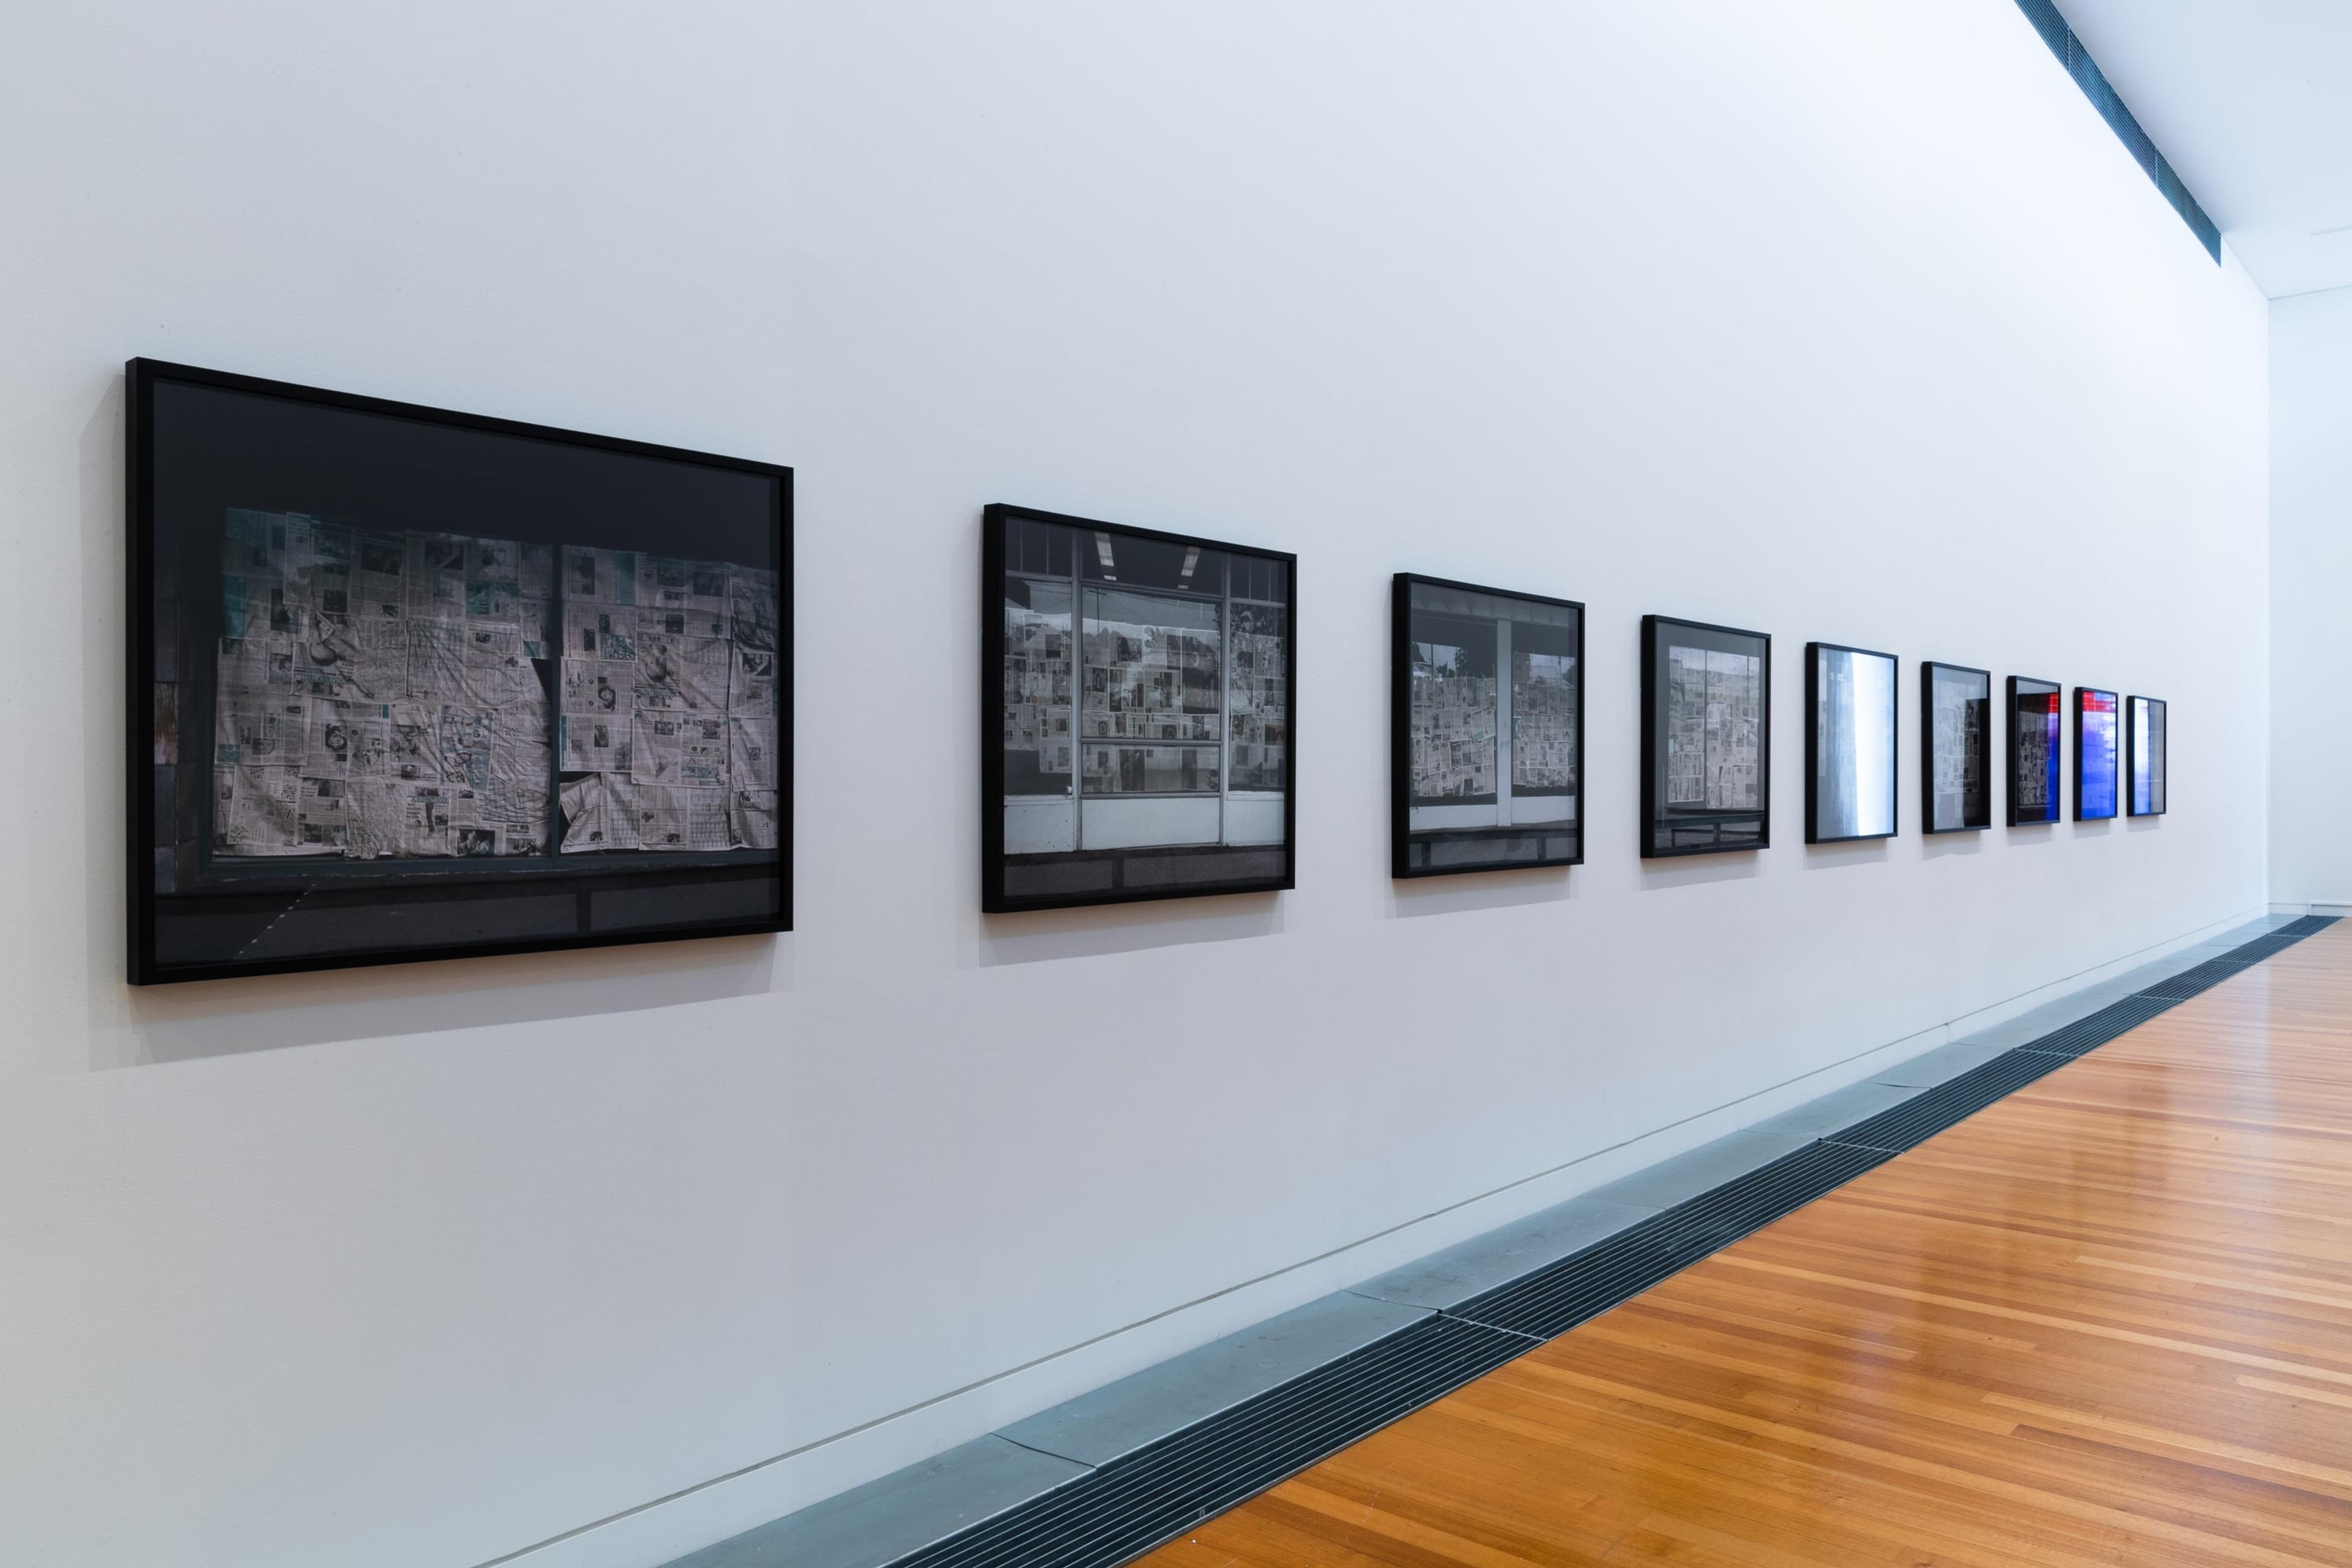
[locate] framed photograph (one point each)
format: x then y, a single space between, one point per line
2097 754
1487 729
2034 751
1706 738
410 684
2144 754
1139 699
1954 748
1849 743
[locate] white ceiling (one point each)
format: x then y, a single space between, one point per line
2249 100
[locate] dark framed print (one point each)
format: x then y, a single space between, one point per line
1487 729
2144 754
1139 701
1706 733
1954 748
2034 751
410 684
2096 753
1849 743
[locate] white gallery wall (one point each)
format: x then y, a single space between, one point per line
1830 318
2311 596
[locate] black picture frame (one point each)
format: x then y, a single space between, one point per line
2097 755
2149 747
1821 748
2046 749
1150 849
1934 755
1672 829
1435 848
357 473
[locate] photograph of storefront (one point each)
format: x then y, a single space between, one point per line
1137 740
1489 693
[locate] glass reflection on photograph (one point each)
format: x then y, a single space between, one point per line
1487 729
2034 750
2095 744
1139 700
1956 736
1849 743
2144 744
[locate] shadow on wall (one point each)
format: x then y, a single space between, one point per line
1694 870
1043 935
226 1017
1482 890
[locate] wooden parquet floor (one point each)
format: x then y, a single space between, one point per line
2107 1320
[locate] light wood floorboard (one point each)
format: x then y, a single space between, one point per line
2106 1321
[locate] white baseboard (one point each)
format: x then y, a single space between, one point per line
665 1528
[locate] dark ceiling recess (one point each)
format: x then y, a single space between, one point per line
2102 94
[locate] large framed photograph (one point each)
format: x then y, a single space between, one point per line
2034 749
1849 743
1487 730
2144 754
1706 734
1955 747
1139 699
410 684
2097 752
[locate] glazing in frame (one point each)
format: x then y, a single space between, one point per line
1487 729
1706 730
406 683
1138 701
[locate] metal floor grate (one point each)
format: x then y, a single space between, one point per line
1136 1502
2086 1035
1556 1298
1923 1116
1155 1494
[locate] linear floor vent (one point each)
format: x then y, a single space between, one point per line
2085 1035
2196 982
1923 1116
1155 1494
1556 1298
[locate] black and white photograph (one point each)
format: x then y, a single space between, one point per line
1707 722
1849 743
1955 747
1487 713
440 684
1137 703
2036 748
2144 755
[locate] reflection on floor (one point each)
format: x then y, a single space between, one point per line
2106 1321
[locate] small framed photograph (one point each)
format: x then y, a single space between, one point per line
1706 730
1954 748
1139 699
1849 743
2034 749
2097 754
1487 729
2144 754
411 684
